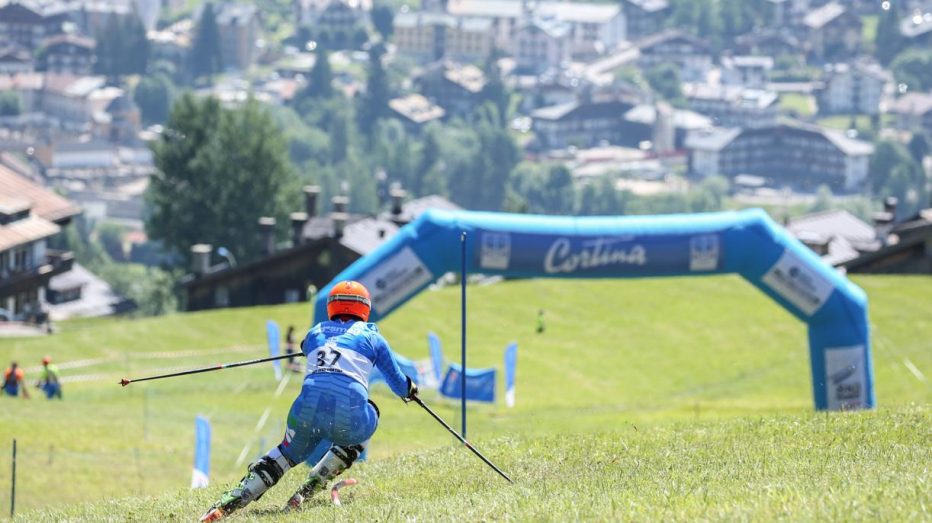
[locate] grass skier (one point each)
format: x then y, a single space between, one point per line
333 403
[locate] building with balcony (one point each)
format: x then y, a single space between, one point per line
803 156
620 121
643 17
67 54
28 24
429 36
238 25
691 55
591 28
29 215
852 88
831 31
747 71
733 106
15 59
541 44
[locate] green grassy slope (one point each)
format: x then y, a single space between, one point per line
701 359
865 466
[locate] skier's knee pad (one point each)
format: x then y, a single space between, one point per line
347 453
337 459
271 467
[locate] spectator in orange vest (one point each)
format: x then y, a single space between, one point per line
13 381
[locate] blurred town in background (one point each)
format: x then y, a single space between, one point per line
162 155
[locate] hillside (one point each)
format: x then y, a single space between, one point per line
712 374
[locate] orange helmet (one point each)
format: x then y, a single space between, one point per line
349 298
46 360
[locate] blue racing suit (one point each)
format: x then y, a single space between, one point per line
334 401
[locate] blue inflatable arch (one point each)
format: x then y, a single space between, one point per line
746 242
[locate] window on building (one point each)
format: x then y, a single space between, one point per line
21 259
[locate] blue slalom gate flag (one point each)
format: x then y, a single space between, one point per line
201 473
436 356
480 384
511 362
274 337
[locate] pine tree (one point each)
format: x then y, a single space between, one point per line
888 39
374 103
320 83
205 53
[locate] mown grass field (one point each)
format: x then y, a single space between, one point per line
651 399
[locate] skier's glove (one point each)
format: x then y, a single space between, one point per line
412 390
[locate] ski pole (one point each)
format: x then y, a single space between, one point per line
468 445
124 382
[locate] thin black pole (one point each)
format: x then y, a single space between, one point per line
463 334
124 382
461 438
13 493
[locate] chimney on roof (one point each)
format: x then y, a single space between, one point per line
267 233
311 194
340 204
883 220
298 219
339 223
889 205
398 197
200 258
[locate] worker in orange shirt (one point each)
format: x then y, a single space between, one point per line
13 381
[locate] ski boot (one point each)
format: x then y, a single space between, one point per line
335 462
312 485
262 475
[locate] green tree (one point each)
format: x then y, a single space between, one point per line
709 195
383 19
10 104
320 81
888 40
823 201
205 52
339 139
893 172
734 17
550 190
665 80
918 147
218 171
427 161
123 48
374 102
154 95
913 67
494 91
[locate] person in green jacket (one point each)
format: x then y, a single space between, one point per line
50 379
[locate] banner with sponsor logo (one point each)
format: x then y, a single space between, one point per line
273 335
480 384
798 283
201 473
746 242
845 378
